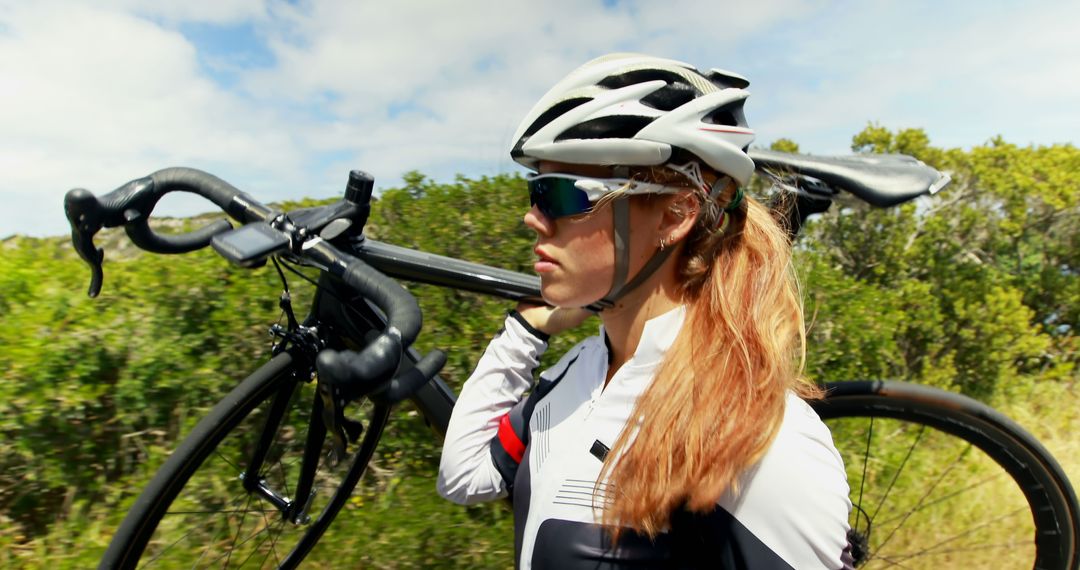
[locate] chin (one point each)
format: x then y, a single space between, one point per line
561 295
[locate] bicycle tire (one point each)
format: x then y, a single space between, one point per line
926 467
188 477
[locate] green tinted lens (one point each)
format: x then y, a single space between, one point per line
558 197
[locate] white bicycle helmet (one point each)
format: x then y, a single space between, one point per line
634 110
628 109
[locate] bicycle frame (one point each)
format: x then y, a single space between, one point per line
435 399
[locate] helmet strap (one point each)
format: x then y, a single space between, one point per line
619 286
621 220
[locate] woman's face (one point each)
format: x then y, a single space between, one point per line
576 254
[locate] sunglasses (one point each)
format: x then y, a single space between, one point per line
561 195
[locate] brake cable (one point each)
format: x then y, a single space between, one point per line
342 430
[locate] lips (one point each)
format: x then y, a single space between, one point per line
545 263
543 256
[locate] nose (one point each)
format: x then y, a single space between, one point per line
536 221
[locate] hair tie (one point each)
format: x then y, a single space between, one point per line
734 203
722 224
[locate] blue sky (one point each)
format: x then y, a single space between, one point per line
283 98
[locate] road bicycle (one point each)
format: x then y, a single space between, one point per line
261 477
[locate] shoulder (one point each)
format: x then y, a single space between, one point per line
795 499
550 378
591 347
804 440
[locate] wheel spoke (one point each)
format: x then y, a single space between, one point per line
235 499
167 548
273 540
238 529
221 512
226 460
217 534
284 476
273 548
948 496
866 462
228 555
933 550
926 494
891 562
899 470
269 534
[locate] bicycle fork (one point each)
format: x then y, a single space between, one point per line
293 510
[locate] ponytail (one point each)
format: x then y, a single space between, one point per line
717 400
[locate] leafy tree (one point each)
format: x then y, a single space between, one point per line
989 267
784 145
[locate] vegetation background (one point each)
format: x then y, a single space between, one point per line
976 290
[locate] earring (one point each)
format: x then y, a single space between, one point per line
663 244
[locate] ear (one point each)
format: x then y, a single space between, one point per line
679 217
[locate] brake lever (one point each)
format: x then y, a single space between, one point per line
342 430
131 204
84 213
335 396
88 213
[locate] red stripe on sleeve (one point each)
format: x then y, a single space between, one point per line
509 440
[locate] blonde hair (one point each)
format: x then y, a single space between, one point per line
717 399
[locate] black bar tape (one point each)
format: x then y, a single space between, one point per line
383 355
408 382
140 233
132 203
235 202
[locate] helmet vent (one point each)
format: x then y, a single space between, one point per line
725 116
637 76
552 113
611 127
670 97
726 79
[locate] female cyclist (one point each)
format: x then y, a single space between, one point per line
678 436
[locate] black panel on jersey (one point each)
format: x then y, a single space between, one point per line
718 540
715 540
572 545
505 464
520 498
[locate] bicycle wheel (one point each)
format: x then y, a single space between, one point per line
939 480
197 512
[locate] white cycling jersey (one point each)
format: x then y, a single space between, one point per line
791 509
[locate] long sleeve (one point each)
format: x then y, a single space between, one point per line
467 473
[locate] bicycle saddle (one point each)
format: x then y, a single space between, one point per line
882 180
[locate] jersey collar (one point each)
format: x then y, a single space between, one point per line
656 337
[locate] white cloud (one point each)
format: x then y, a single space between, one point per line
98 93
204 11
96 97
463 74
1012 72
